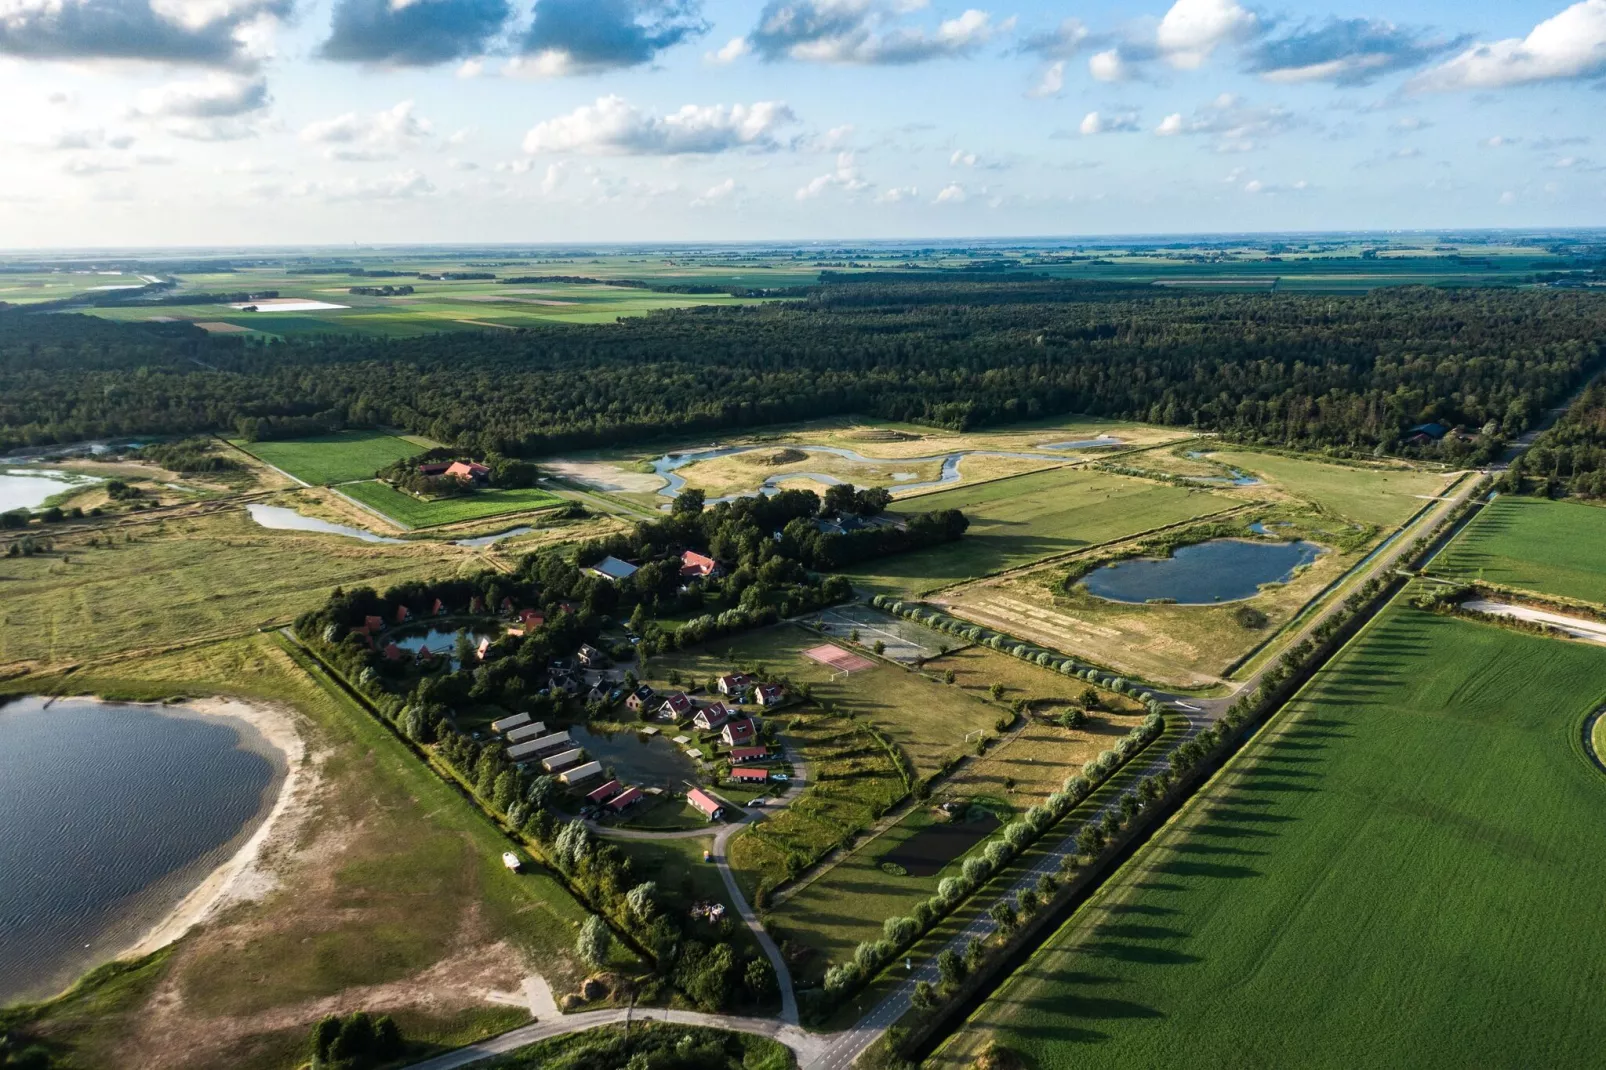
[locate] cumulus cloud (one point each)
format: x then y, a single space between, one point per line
1235 126
1107 66
612 126
591 36
730 51
953 193
1193 29
718 193
1566 46
1345 52
864 32
1050 82
404 185
378 136
216 33
1062 42
412 33
898 194
1256 187
216 96
846 177
1115 123
76 140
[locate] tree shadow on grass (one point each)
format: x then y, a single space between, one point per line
1187 868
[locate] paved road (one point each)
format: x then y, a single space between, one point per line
1577 627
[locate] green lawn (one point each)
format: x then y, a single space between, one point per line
338 458
417 513
1399 873
1018 520
1382 496
1538 545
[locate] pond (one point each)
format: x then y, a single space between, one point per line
927 851
440 641
637 759
1222 570
112 814
281 519
29 488
492 540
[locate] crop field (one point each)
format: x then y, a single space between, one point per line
1382 495
1016 521
337 458
1397 865
389 885
417 513
1537 545
186 578
925 719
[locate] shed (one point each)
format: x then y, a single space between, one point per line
747 772
580 773
508 724
611 568
525 732
562 761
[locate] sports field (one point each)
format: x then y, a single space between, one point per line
1018 520
337 458
1398 873
1538 545
417 513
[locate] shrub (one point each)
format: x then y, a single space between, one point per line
1018 834
894 869
1039 818
976 870
899 931
997 853
953 889
840 977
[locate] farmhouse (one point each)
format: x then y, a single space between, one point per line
562 761
705 804
508 724
434 468
611 568
739 733
712 716
696 566
676 706
735 683
581 773
640 699
748 775
769 694
468 471
625 799
605 792
749 754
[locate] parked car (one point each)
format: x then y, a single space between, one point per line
780 778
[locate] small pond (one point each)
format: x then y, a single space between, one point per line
112 814
1222 570
637 759
29 488
492 540
440 641
927 851
282 519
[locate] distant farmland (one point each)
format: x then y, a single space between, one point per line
1402 872
1538 545
338 458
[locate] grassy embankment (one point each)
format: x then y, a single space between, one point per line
1398 864
388 894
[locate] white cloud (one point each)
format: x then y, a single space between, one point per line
611 126
1235 126
898 194
471 68
554 177
716 194
953 193
961 158
86 168
404 185
1099 123
1050 82
1508 197
1410 124
1256 187
1171 125
1193 29
217 96
378 136
846 177
1499 141
730 51
1107 66
1568 45
865 32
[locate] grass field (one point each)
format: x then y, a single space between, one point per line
388 894
1383 496
925 719
1537 545
1397 866
417 513
1016 521
338 458
145 586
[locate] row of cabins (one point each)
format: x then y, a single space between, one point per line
529 741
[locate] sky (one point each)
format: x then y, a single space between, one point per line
229 122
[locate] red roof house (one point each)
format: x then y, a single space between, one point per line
625 799
735 683
507 605
605 792
769 694
439 609
738 733
403 614
374 624
531 619
696 566
392 652
711 716
747 772
676 705
706 804
468 471
749 754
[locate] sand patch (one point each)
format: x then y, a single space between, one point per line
218 327
604 476
287 304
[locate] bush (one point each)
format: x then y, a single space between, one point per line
953 889
976 870
997 853
1018 834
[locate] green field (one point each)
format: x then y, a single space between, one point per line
1018 520
1382 496
1537 545
338 458
417 513
1400 872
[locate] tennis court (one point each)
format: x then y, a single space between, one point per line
837 659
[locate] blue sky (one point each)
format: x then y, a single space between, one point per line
184 122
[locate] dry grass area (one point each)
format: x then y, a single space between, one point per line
744 473
977 668
1030 765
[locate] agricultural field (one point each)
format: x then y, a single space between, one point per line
1017 521
925 719
155 583
1396 864
1381 495
339 458
1542 546
388 892
414 512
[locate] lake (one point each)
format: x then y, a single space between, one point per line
28 488
112 814
644 761
1222 570
438 640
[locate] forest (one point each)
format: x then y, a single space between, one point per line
1570 457
1347 373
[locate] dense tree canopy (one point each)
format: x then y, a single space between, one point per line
1351 371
